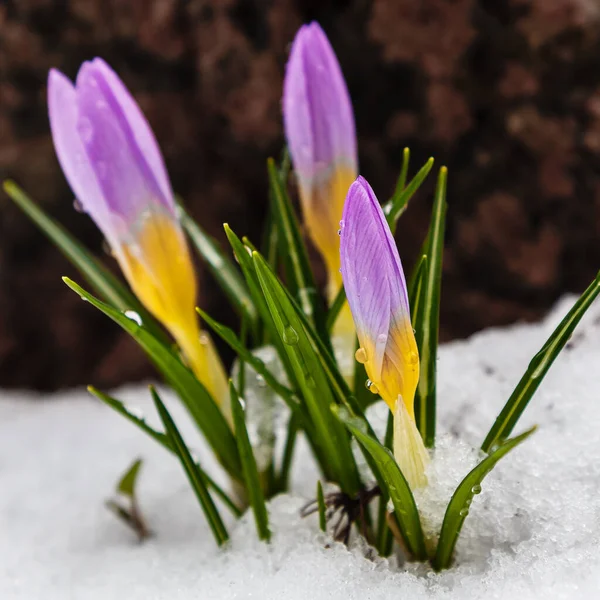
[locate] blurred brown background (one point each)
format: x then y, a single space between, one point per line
504 92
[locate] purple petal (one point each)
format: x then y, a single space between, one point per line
127 182
63 112
139 126
317 111
375 284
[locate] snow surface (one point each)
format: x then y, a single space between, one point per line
533 532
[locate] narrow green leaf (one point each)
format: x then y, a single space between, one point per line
416 285
458 508
163 440
193 472
538 367
294 255
426 323
242 255
334 309
398 203
127 483
193 394
321 507
335 451
251 476
288 454
401 182
397 487
222 268
384 533
105 284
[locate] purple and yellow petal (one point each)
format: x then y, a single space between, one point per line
111 159
321 136
376 291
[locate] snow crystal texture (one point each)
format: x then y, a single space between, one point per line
533 532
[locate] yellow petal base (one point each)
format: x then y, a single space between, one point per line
409 450
159 269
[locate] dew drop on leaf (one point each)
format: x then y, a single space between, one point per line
133 316
290 336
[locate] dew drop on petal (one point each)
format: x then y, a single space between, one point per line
133 316
290 335
203 339
361 355
413 358
371 387
78 206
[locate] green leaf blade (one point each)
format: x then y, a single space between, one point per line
538 367
321 507
194 474
250 470
398 203
458 508
127 483
426 318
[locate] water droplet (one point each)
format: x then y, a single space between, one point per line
468 501
413 358
290 336
371 387
464 512
86 130
204 339
243 403
260 381
339 232
361 355
310 381
342 223
78 206
133 316
476 489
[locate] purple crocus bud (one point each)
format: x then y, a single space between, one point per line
376 291
320 132
113 164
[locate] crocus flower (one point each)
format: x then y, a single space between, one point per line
113 164
321 136
376 290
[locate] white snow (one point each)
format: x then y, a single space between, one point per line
533 532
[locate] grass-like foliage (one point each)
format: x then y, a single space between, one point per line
334 352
